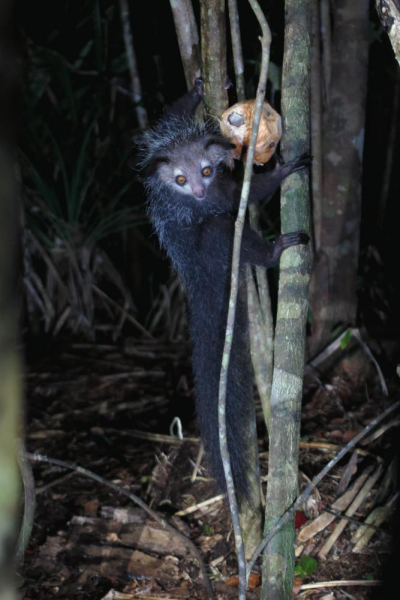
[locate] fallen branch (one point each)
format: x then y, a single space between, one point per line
120 490
317 479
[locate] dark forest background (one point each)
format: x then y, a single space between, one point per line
87 243
103 321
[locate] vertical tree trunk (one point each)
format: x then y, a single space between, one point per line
10 387
295 266
213 56
333 288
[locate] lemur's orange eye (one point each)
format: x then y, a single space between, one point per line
180 179
207 171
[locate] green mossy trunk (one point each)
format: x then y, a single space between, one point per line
295 266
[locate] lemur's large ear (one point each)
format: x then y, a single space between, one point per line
153 165
219 149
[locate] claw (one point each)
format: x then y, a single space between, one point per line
199 86
301 162
286 240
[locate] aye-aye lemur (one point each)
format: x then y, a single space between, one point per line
193 200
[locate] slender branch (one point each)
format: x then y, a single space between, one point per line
120 490
259 302
29 506
136 87
265 43
128 316
237 50
188 38
317 479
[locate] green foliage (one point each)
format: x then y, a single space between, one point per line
77 187
306 566
344 342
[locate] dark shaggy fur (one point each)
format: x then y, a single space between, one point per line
194 221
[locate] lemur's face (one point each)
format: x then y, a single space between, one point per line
191 168
190 176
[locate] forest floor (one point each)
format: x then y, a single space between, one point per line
109 409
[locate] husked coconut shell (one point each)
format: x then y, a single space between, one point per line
236 123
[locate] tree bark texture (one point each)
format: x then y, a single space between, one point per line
136 86
316 122
333 288
10 386
261 328
237 50
188 39
389 14
295 267
213 56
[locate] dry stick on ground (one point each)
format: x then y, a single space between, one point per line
377 434
324 519
196 468
325 446
364 533
341 583
364 525
164 524
354 506
337 343
159 438
304 495
265 43
356 333
200 505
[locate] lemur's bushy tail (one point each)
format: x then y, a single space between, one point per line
208 337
